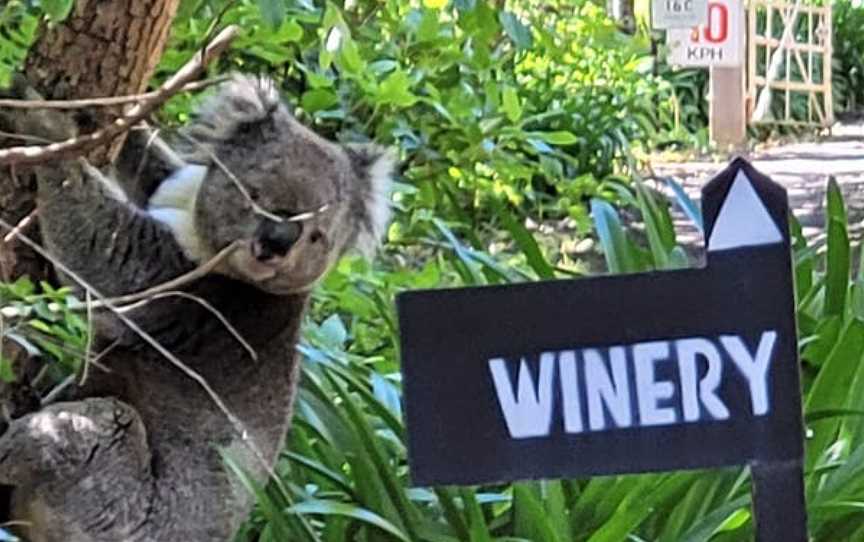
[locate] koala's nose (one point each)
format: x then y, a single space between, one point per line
275 239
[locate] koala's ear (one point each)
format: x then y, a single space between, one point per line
240 100
374 167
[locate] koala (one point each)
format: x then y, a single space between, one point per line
136 457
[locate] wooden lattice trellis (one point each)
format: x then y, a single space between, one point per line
789 63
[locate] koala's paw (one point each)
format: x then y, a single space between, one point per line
41 125
62 439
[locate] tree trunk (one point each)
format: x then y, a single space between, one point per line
104 48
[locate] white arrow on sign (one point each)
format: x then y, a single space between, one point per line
743 220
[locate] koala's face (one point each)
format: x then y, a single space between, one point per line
307 200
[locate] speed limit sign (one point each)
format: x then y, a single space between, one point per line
678 13
718 42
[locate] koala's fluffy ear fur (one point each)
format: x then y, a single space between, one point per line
241 100
374 167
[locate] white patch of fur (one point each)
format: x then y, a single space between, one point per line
377 202
49 424
173 204
180 189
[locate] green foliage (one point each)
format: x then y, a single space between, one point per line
46 323
345 470
531 111
56 10
848 67
684 117
526 104
18 24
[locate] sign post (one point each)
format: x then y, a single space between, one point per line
718 45
727 115
656 371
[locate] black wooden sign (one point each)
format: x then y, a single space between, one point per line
622 374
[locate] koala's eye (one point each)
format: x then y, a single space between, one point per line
245 128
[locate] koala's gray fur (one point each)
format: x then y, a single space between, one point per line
138 458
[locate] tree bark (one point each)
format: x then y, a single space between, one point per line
104 48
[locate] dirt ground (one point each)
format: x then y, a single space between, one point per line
803 168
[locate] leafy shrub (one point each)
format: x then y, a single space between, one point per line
684 117
530 104
848 67
18 24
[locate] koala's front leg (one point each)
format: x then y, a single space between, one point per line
81 471
145 161
109 243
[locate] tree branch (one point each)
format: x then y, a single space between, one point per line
102 102
79 145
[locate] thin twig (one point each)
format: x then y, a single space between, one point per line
19 227
101 102
173 284
89 344
257 209
145 155
79 145
55 392
216 21
217 400
133 301
26 137
62 346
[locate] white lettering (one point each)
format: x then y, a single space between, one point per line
600 390
688 351
755 370
649 390
599 394
570 391
529 414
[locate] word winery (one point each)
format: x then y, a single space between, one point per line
645 384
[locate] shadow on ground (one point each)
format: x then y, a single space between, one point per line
803 168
